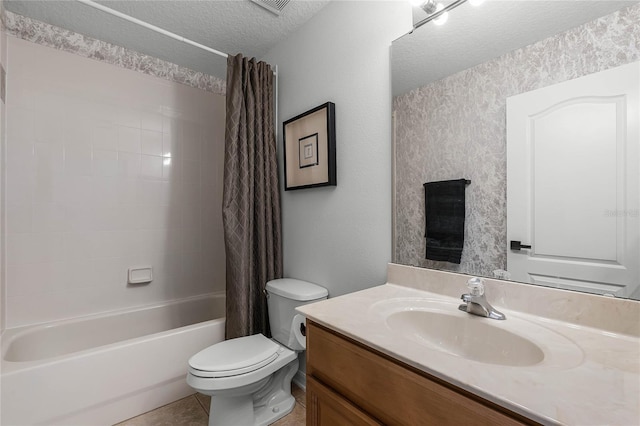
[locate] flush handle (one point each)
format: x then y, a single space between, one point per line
517 245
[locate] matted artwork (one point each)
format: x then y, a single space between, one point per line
310 148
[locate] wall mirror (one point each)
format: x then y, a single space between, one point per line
536 103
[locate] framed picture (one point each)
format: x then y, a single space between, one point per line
310 148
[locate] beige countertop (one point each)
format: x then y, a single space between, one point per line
589 375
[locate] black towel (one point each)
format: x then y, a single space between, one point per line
444 212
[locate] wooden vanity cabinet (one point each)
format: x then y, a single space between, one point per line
327 408
351 384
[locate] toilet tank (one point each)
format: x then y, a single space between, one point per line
284 295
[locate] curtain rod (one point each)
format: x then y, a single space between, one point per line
142 23
174 36
159 30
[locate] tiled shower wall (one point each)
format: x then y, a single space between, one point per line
107 169
456 128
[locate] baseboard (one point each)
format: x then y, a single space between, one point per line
300 379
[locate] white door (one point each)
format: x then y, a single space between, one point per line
572 183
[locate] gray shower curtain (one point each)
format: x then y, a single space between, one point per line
251 198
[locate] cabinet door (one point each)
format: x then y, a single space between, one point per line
327 408
389 391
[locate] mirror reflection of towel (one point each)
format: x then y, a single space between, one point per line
444 213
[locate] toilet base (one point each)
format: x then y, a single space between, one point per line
226 411
263 407
267 415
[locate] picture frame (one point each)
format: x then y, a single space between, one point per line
309 141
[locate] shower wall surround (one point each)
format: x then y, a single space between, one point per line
69 41
456 128
107 168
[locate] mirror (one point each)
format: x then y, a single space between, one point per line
450 88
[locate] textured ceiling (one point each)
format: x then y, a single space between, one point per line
236 26
474 35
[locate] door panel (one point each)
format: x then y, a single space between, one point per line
572 183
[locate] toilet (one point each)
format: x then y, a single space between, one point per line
249 378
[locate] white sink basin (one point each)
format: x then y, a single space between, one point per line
439 325
471 338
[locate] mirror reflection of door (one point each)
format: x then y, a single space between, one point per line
573 183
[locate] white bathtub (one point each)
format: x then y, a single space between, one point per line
102 369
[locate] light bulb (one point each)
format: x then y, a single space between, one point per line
476 2
442 19
416 3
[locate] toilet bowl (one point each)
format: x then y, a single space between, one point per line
249 378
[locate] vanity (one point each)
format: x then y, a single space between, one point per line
395 394
403 353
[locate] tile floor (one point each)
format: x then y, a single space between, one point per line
194 411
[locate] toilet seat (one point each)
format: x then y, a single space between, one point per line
234 357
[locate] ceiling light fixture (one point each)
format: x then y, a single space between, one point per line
429 6
438 13
443 18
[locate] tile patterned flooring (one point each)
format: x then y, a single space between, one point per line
194 411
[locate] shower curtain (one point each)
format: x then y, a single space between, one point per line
251 198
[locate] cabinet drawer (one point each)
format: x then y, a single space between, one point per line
391 392
327 408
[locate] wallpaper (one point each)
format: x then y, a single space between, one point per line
69 41
456 128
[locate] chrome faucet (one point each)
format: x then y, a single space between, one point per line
476 303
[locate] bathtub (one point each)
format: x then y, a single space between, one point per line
102 369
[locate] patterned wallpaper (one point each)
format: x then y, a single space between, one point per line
456 128
69 41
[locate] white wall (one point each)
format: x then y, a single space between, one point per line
340 237
91 189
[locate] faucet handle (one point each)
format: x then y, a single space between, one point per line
476 286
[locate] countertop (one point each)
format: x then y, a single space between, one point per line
594 381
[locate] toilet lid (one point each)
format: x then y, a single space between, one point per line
233 357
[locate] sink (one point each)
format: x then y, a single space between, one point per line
436 324
471 338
